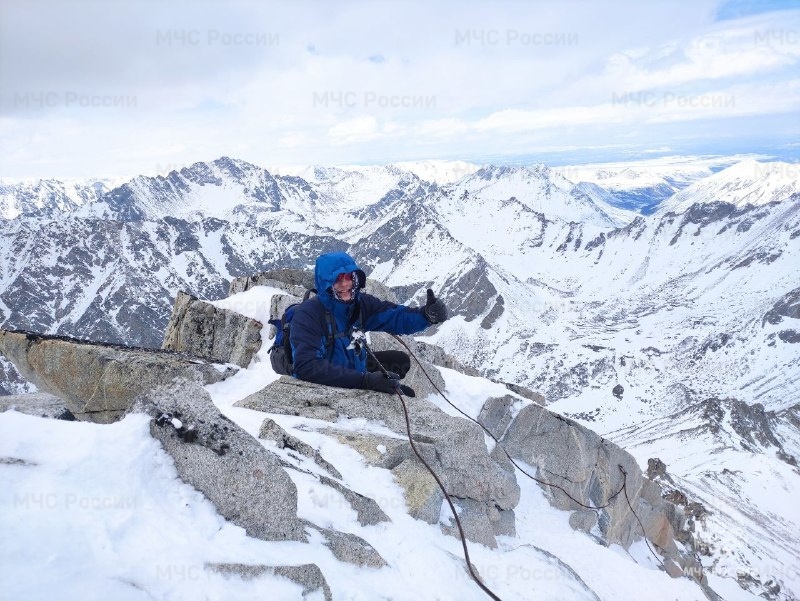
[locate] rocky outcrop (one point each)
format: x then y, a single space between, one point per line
203 330
526 392
99 382
349 547
597 473
753 426
454 447
495 414
39 404
243 480
294 281
787 306
436 356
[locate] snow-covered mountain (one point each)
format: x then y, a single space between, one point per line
747 182
641 186
627 323
48 197
439 172
538 188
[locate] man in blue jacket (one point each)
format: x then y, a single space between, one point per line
341 307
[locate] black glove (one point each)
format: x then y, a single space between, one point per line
389 383
435 310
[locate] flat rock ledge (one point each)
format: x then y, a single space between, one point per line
39 404
98 382
484 486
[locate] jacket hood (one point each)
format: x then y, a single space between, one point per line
328 267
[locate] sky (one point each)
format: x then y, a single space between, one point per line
96 88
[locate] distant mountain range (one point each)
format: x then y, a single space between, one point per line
628 298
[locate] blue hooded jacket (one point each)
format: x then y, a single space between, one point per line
341 366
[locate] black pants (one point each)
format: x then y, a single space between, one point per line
396 361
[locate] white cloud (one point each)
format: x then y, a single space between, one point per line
470 78
353 131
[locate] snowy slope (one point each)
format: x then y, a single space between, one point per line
746 182
725 455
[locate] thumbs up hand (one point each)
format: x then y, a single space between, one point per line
435 310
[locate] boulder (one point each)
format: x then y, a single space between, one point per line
270 430
39 404
368 511
201 329
525 392
495 414
423 496
587 466
308 575
454 447
474 520
349 547
99 382
243 480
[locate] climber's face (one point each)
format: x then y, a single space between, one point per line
344 288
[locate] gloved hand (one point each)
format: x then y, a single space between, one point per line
386 383
435 310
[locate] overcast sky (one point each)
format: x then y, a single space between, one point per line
101 88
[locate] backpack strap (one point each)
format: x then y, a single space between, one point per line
332 332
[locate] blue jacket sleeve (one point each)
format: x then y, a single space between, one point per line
307 337
383 316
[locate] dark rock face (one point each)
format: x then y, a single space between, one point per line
790 336
302 280
471 292
99 382
593 471
753 426
200 329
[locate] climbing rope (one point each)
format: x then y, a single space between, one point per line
531 476
470 568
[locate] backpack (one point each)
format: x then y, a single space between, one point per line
280 353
